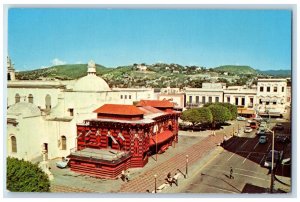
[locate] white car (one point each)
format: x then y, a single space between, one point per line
240 118
277 158
263 124
248 129
258 118
63 164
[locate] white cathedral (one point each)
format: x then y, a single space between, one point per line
42 115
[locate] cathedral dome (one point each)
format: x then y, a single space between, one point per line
91 82
25 109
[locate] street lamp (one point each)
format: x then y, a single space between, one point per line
155 176
272 164
186 165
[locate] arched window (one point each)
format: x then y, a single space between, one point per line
17 98
48 101
13 144
30 98
63 143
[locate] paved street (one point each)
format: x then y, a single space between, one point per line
246 156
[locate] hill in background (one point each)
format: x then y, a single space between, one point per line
236 69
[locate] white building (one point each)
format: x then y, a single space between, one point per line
271 96
42 115
209 93
240 96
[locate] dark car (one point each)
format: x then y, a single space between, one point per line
278 126
281 139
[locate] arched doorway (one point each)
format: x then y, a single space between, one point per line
30 98
17 98
13 140
48 102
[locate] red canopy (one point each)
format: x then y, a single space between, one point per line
161 137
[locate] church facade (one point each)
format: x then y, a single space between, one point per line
47 112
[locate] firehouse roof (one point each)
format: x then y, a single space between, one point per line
156 103
119 109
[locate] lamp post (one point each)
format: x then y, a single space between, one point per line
186 165
155 176
272 164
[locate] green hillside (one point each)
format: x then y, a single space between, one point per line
64 72
236 69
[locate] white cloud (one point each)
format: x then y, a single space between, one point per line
78 62
57 61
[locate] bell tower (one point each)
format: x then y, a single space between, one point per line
10 70
91 68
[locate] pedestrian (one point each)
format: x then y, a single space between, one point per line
123 175
231 173
169 179
175 179
127 176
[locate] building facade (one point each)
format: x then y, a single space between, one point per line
122 137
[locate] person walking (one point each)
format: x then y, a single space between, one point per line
231 173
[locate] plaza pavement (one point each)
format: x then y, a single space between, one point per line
197 145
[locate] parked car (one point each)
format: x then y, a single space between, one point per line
240 118
277 158
63 164
261 132
248 129
263 139
279 126
263 124
253 125
281 138
258 118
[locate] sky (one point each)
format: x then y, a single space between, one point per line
39 38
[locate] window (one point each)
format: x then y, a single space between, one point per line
209 99
197 99
30 98
71 110
203 99
13 144
275 88
17 98
217 99
261 89
268 89
63 143
48 101
267 103
121 96
228 99
260 102
274 103
243 101
236 101
129 97
191 99
125 96
282 89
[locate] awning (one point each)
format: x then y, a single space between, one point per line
246 111
161 137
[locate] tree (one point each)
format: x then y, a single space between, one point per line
220 114
232 108
23 176
191 115
205 115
